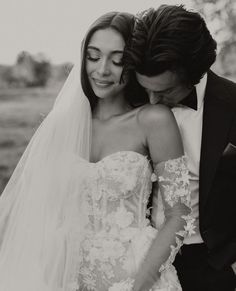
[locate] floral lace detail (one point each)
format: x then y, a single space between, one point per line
108 248
118 235
119 177
126 285
117 195
174 179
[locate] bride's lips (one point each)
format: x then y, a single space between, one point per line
102 83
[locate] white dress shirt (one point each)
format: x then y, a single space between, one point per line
190 126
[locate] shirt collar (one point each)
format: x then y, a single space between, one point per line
201 89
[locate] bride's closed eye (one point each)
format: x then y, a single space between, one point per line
118 61
95 56
92 56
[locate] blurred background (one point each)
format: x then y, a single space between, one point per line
40 40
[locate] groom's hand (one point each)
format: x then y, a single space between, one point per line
234 267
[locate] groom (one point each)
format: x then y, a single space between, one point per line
172 52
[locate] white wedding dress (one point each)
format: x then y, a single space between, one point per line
118 235
70 225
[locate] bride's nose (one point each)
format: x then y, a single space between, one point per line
103 67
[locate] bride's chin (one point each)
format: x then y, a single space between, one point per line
102 94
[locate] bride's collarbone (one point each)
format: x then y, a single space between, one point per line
117 134
113 129
115 141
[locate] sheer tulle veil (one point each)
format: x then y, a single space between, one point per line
41 204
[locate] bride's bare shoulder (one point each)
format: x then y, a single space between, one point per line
154 115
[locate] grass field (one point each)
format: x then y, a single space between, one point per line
21 112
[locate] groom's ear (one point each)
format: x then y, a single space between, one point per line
230 150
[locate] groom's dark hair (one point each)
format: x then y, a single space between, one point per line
172 38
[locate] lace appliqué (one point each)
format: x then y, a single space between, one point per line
118 235
126 285
174 179
107 248
118 178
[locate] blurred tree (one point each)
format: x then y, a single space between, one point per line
22 73
42 70
220 16
29 70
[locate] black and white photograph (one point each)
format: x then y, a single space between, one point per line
118 145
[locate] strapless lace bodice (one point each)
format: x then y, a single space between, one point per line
118 191
117 234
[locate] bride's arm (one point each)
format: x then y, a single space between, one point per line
166 150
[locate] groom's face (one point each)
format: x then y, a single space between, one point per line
165 88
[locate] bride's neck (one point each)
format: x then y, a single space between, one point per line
108 108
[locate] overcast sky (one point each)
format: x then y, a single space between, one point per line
56 27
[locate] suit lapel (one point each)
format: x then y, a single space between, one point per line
216 122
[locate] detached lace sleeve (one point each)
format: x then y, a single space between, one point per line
173 180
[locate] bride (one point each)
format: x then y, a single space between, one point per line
73 215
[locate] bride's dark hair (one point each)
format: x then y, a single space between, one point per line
123 23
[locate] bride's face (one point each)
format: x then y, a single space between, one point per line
104 64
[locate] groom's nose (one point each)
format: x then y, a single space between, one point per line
154 97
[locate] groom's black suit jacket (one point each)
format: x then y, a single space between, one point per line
217 181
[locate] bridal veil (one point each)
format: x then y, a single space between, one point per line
41 203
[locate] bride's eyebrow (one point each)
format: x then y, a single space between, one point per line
90 47
93 48
117 52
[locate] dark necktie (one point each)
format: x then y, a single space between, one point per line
190 100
